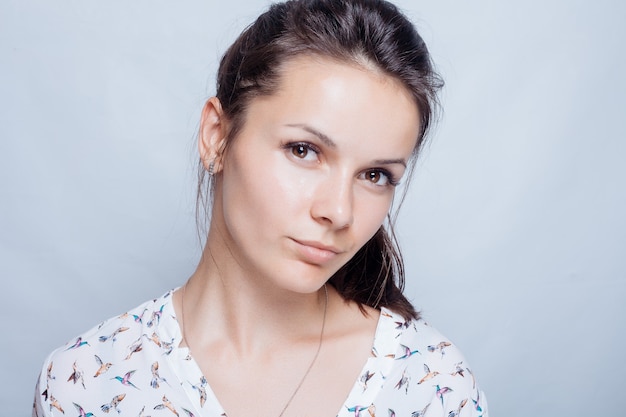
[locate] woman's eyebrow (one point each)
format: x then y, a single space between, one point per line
390 162
324 138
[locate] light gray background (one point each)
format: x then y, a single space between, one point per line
514 230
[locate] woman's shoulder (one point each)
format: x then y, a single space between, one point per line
398 333
108 353
423 368
111 335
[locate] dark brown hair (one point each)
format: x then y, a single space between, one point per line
373 33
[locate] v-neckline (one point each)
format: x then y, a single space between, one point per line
384 345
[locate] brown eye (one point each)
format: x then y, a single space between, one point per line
374 176
305 151
300 151
378 177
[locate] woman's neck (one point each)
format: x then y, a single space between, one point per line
228 306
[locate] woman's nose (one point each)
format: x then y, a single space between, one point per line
333 203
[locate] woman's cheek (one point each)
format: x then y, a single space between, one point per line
370 210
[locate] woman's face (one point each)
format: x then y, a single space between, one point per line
310 177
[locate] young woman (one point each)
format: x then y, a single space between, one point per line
296 307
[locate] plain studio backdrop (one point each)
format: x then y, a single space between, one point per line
513 230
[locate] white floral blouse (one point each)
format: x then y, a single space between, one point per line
131 366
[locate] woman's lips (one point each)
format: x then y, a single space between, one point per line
314 252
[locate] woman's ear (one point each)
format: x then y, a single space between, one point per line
213 132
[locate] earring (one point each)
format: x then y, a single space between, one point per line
211 167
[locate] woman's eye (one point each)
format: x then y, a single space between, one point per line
379 178
303 151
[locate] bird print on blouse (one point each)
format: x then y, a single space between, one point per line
55 404
79 342
403 382
154 339
367 375
421 412
156 378
135 347
49 377
188 413
357 409
407 352
201 388
429 374
132 366
76 375
441 391
112 335
156 316
457 412
166 404
113 404
103 366
125 380
458 369
81 411
139 317
440 347
477 406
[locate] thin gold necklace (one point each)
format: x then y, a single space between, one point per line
308 370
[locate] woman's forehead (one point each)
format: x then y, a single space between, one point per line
341 101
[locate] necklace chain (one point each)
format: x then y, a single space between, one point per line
308 370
